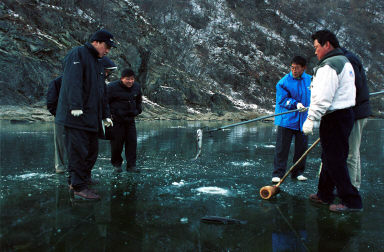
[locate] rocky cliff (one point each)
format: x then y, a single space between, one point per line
196 59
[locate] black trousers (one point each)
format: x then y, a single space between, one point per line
334 132
124 134
82 150
283 144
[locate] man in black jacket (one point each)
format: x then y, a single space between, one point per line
52 99
362 111
82 109
124 98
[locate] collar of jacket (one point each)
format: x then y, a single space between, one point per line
124 86
322 62
300 78
334 52
92 49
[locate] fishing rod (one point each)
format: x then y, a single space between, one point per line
376 93
257 119
199 132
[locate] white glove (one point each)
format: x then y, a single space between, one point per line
76 112
108 122
308 127
301 107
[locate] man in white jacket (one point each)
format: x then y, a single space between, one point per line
333 95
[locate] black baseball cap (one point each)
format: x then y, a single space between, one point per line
104 36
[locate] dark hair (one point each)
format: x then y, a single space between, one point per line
127 73
299 60
323 36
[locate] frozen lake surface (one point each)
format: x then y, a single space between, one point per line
160 208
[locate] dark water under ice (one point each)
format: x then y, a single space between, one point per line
160 208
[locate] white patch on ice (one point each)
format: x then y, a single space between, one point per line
181 183
241 163
268 146
30 176
213 190
32 132
184 220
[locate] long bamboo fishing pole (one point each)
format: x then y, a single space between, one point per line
199 132
256 119
267 192
376 93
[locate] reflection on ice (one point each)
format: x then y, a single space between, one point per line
267 146
31 132
213 190
161 207
33 175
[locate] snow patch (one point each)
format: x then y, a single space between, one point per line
193 111
147 101
51 6
84 15
41 34
14 14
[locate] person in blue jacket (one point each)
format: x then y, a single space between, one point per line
82 109
292 92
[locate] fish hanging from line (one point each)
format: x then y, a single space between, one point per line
221 220
199 142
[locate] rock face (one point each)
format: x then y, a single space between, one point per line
195 59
